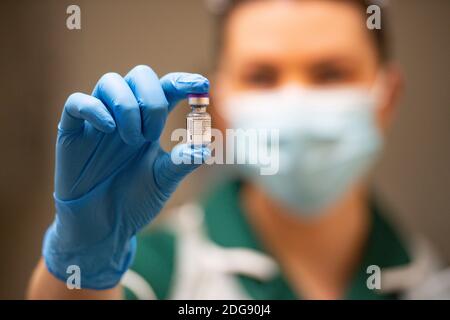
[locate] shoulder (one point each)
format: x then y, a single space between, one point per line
408 259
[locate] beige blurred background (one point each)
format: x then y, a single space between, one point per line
42 62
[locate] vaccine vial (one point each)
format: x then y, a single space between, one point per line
198 121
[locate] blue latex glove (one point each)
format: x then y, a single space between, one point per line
112 177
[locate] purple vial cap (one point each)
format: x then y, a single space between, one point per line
198 95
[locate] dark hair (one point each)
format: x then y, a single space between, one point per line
378 35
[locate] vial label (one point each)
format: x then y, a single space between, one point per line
198 131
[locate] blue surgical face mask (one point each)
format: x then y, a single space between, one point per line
328 140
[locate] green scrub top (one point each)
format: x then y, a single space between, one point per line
226 225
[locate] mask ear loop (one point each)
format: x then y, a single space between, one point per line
378 89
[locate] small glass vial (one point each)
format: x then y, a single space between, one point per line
198 121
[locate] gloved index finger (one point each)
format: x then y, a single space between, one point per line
178 85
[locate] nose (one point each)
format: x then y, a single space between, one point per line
292 77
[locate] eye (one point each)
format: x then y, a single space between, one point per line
330 74
260 77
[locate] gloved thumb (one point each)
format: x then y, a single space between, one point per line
171 168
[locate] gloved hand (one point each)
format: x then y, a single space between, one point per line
112 177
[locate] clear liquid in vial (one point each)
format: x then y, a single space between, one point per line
198 124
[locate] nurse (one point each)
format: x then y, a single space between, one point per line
312 70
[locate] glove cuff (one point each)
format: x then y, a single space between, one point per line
86 234
101 266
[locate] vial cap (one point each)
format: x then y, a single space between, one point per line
198 99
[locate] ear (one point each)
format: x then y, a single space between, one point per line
391 93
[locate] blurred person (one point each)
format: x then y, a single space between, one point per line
312 231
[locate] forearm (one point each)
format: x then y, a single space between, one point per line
43 285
